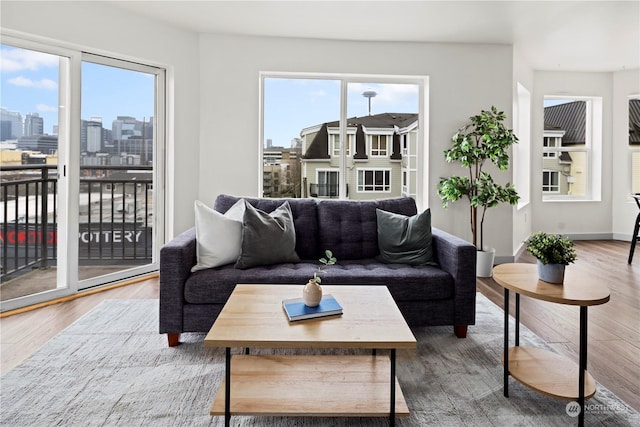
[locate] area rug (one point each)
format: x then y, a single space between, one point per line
112 368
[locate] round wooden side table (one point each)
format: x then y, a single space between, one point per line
545 371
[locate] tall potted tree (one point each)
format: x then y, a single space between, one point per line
484 137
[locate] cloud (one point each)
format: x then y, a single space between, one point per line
46 108
14 60
37 84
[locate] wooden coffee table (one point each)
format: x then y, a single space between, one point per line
542 370
310 385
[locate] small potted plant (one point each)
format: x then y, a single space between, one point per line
312 291
553 252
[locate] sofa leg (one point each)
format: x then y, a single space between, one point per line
174 339
460 331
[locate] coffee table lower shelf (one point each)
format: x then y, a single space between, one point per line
310 385
549 373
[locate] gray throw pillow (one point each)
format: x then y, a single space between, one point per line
267 238
405 239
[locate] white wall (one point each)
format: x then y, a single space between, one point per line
110 30
583 219
624 210
464 79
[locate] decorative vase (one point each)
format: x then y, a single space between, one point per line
484 262
312 293
551 273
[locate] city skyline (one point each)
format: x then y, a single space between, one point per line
30 84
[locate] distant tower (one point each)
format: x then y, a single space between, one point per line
369 94
33 125
94 135
269 143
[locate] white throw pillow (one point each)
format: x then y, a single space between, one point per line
218 236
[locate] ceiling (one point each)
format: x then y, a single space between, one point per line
550 35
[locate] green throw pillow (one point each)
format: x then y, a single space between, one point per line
267 238
405 239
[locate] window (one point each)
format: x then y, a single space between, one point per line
374 180
336 146
405 144
522 150
378 144
571 148
551 142
330 125
634 142
327 184
550 181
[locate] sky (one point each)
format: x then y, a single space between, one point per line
291 105
30 83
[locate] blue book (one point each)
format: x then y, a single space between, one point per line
296 309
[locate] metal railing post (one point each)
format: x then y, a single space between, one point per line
44 241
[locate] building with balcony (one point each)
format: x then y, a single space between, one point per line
381 155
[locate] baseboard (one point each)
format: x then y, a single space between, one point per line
589 236
623 237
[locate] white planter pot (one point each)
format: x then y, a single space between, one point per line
484 262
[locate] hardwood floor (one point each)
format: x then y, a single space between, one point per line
22 334
614 328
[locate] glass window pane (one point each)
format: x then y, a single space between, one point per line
307 112
635 172
565 153
29 84
116 169
297 115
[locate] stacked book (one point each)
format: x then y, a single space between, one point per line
296 309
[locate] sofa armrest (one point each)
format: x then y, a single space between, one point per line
176 259
458 258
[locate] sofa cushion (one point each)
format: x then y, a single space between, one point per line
218 236
405 283
305 219
214 286
349 227
267 238
405 239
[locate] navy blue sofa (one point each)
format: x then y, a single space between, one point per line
426 295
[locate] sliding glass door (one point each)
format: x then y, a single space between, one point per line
81 143
117 204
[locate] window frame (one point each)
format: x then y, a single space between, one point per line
326 172
592 148
634 150
336 151
557 185
69 122
420 81
380 152
362 187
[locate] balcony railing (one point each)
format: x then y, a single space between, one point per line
115 216
325 190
